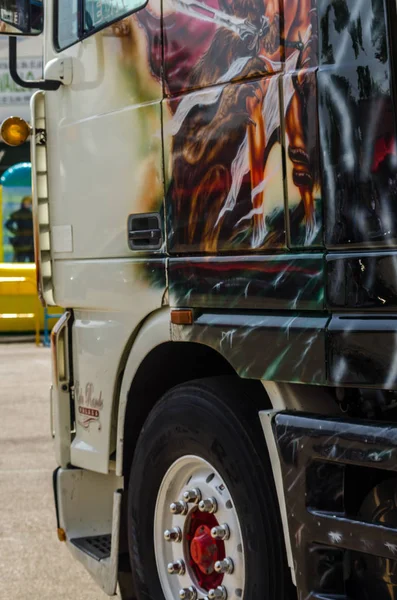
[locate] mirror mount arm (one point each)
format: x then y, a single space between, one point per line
43 84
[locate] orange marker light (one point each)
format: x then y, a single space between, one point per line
182 317
15 131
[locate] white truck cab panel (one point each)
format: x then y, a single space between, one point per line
104 163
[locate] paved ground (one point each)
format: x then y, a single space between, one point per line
33 564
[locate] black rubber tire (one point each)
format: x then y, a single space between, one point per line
216 420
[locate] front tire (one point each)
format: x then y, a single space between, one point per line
206 435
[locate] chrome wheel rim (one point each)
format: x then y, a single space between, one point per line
198 544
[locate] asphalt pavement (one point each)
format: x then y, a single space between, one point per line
34 565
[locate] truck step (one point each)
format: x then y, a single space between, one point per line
96 546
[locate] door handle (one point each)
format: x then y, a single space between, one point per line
144 231
150 235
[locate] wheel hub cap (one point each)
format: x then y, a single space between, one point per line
204 550
210 545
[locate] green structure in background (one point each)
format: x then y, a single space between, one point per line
16 236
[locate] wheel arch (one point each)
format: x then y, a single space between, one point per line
154 365
151 370
143 384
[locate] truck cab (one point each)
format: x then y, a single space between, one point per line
215 207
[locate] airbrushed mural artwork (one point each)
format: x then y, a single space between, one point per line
278 158
240 128
230 118
226 186
278 125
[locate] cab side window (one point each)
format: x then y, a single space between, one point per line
73 25
67 30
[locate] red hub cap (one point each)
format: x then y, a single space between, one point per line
204 550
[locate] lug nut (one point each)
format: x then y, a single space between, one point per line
176 568
209 505
221 532
179 508
189 593
218 593
193 495
173 535
224 566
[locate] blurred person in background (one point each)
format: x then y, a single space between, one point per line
20 224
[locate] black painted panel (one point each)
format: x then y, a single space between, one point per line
363 351
272 282
320 538
357 124
269 347
362 282
352 31
357 135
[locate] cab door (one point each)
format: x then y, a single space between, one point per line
104 163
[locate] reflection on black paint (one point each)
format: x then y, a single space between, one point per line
274 282
362 351
367 281
352 30
357 127
273 347
358 142
351 556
